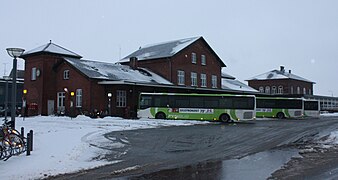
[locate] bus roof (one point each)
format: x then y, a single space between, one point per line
196 94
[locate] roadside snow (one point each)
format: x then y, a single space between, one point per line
329 114
63 145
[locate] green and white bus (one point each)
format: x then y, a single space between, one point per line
311 108
210 107
272 107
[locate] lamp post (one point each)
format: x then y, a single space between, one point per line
6 98
14 53
72 104
109 104
24 103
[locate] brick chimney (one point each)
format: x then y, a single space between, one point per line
282 69
133 62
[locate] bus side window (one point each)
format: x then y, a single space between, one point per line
160 101
145 102
225 102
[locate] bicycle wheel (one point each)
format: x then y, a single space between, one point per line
17 143
6 150
1 153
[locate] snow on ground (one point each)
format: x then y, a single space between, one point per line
329 114
63 145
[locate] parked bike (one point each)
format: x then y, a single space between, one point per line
11 141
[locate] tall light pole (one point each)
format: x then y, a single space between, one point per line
109 103
6 98
14 53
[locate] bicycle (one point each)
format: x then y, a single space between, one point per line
12 143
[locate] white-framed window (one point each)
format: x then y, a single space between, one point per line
214 81
203 80
66 74
298 90
193 58
280 89
78 97
273 90
33 78
261 89
61 97
203 60
180 77
310 92
267 89
304 90
121 98
193 79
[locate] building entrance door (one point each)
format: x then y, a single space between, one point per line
50 106
61 102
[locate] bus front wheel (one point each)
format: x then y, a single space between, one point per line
280 115
160 115
225 118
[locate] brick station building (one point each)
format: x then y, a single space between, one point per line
59 81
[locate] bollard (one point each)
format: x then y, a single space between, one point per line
28 151
31 139
22 132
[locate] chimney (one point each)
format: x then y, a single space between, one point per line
290 71
133 62
282 69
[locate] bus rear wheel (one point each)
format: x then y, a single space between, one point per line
225 118
280 115
160 115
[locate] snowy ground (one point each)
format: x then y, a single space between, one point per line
62 144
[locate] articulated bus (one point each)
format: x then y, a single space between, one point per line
211 107
311 108
272 107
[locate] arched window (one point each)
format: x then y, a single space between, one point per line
280 89
298 90
273 90
291 90
304 91
310 92
267 90
261 89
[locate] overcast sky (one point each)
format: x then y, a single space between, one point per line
251 37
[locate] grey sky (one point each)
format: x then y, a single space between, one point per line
251 37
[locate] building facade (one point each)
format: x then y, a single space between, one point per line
187 62
280 82
59 81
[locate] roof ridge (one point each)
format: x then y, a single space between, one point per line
166 42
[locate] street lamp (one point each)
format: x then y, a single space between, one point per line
109 104
14 53
6 97
72 104
24 103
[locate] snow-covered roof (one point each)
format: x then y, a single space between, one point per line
235 85
161 50
277 74
116 72
225 75
51 48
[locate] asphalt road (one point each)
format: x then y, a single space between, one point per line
147 151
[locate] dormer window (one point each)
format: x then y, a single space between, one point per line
193 58
66 74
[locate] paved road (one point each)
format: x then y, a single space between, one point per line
152 150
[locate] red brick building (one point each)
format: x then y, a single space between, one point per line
187 62
59 81
282 83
